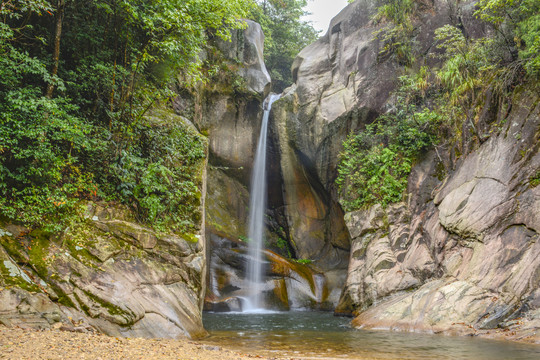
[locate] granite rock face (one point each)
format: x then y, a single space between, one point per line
232 117
254 69
315 221
461 256
465 259
341 84
247 48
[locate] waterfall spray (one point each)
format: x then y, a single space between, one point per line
257 206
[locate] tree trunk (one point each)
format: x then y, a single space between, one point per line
56 51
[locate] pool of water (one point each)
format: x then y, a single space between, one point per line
317 335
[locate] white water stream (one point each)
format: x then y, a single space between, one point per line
257 207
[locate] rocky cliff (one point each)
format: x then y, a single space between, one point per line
462 254
231 113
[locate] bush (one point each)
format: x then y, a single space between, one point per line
159 175
375 163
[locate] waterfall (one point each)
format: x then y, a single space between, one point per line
257 207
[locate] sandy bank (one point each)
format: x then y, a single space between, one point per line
55 344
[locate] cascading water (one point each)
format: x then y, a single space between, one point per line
257 206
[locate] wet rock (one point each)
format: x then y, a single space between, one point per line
315 221
226 205
286 284
224 305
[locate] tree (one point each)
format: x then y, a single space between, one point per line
60 5
285 35
517 23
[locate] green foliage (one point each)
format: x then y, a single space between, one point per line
90 140
283 245
468 63
441 103
396 37
285 35
222 73
375 163
158 175
518 23
304 261
41 141
535 179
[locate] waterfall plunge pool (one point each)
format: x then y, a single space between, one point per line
320 335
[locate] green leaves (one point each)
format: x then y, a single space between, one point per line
518 21
118 59
371 176
40 173
16 8
529 31
158 174
375 163
285 35
175 30
442 102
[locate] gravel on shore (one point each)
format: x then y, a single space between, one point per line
18 344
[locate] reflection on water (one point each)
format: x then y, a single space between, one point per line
315 335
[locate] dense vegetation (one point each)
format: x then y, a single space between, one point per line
76 81
437 107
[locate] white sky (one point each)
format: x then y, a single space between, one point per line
322 11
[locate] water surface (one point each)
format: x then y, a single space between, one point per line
316 335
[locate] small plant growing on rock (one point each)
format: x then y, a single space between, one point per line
535 180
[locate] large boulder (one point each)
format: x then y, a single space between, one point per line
247 48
